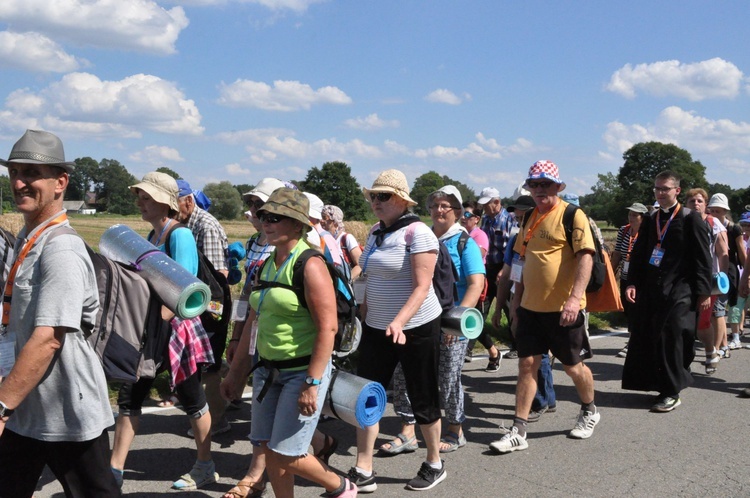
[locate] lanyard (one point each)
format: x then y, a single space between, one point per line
17 264
631 242
531 230
660 234
275 278
169 222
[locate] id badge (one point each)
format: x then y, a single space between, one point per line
253 336
625 267
7 352
239 310
516 270
656 257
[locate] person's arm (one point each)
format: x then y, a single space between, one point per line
616 258
722 251
741 255
241 362
585 261
32 363
504 285
422 270
321 301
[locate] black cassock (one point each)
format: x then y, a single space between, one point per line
660 349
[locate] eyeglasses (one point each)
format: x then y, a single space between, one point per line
380 196
271 218
255 204
468 214
544 185
663 190
441 207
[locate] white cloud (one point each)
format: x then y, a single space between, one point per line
713 78
235 169
81 103
157 156
283 96
444 96
140 25
697 134
371 122
480 150
36 53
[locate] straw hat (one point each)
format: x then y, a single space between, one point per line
161 187
39 147
392 181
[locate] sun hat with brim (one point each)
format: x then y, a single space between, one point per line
390 181
545 170
449 191
264 189
719 201
637 207
39 147
316 206
524 203
161 187
290 203
487 194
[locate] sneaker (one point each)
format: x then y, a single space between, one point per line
535 415
427 477
666 404
585 425
735 344
364 484
199 476
512 441
350 491
623 352
215 431
511 354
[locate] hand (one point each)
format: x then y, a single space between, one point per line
630 293
308 400
449 339
228 387
394 330
704 302
570 311
497 317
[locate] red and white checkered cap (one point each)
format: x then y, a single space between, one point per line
545 170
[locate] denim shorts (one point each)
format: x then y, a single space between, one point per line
277 419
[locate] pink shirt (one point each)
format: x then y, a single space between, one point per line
482 241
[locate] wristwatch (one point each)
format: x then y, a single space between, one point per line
7 412
309 381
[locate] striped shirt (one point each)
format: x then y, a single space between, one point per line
389 278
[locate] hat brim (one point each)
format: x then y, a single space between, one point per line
389 190
260 195
719 205
156 194
274 208
485 200
67 166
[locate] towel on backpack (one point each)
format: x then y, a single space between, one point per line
189 347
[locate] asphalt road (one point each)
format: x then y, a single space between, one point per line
700 449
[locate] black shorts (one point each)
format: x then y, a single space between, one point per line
540 332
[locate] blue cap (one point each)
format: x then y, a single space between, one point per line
184 188
570 199
745 217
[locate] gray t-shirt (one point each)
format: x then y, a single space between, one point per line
56 287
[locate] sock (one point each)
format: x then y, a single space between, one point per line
366 473
588 407
204 465
435 465
520 424
736 336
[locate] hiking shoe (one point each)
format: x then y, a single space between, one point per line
427 477
511 354
364 484
623 352
735 344
215 430
512 441
494 363
666 404
585 425
535 415
350 491
199 476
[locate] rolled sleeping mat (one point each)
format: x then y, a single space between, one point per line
177 288
720 284
463 322
356 401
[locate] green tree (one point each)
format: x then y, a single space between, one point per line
334 184
83 179
599 203
244 187
424 185
169 172
8 204
226 203
112 188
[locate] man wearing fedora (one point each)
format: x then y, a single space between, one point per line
54 404
551 279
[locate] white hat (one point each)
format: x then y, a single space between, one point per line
264 189
719 201
316 206
447 191
488 194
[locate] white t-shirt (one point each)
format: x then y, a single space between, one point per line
389 277
716 228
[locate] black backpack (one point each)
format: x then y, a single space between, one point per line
346 306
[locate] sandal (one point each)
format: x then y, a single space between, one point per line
712 363
247 489
406 445
454 442
329 448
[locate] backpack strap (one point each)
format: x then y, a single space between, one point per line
461 244
567 221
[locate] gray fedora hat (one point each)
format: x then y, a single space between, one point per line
39 147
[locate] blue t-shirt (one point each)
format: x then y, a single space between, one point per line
182 248
508 258
470 262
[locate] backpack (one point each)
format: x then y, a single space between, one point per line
445 277
345 251
347 334
129 336
7 242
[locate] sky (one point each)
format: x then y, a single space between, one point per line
478 90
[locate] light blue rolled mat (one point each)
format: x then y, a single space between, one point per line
462 322
721 283
356 401
176 287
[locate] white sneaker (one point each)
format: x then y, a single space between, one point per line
585 425
512 441
735 344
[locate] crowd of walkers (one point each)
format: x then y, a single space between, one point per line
54 404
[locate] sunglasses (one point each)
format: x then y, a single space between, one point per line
544 185
255 204
468 214
271 218
380 196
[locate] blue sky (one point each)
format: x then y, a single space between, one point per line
239 90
